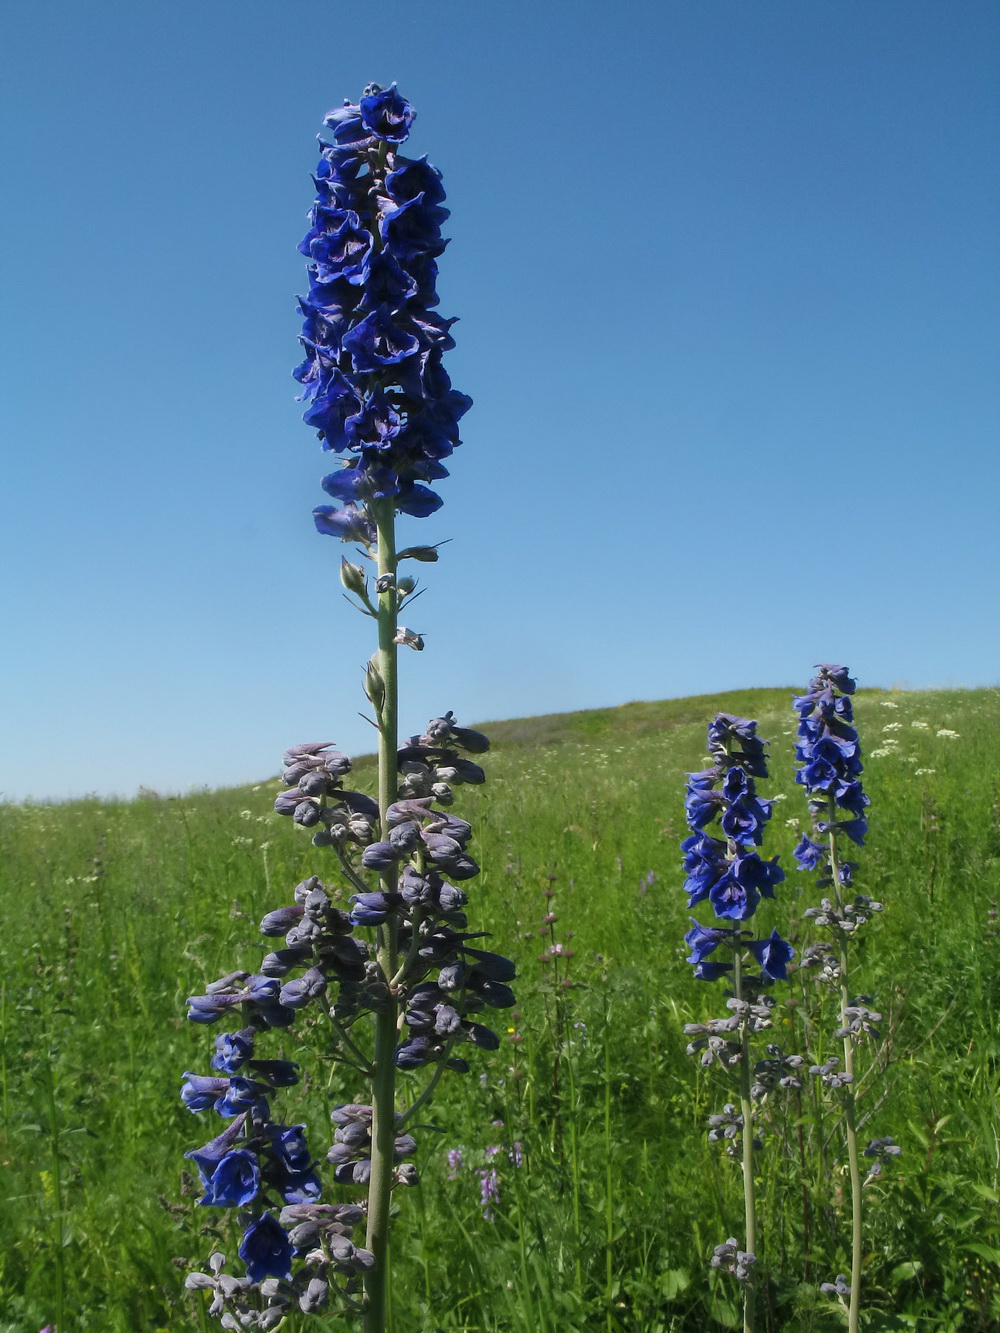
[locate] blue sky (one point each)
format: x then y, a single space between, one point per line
727 277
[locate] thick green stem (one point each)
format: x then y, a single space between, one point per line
850 1107
384 1081
746 1109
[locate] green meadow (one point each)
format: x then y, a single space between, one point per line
610 1199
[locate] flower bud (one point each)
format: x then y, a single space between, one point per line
406 638
425 554
353 578
375 686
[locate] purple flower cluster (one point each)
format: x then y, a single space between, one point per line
264 1169
425 850
830 762
259 1166
727 871
351 1153
373 373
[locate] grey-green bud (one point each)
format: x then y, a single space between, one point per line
375 686
353 578
427 554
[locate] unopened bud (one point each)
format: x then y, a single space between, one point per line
352 577
408 639
384 582
406 585
375 686
427 554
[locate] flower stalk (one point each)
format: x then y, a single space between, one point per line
731 876
384 1079
396 974
829 755
850 1103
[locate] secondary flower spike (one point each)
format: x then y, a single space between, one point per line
727 821
829 754
373 377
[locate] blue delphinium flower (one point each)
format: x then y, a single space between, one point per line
372 375
724 868
828 751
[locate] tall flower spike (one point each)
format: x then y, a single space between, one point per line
829 755
372 374
725 870
396 977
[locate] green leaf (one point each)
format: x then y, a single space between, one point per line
904 1271
986 1252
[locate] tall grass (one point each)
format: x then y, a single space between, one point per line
113 912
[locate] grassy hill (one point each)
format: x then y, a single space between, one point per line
113 912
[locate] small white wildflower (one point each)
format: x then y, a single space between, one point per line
246 814
947 734
780 797
257 788
881 752
792 823
887 703
921 771
924 726
893 726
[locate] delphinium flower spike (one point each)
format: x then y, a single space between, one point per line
402 956
829 755
729 873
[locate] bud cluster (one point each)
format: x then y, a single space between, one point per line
256 1165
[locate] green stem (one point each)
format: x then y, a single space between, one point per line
428 1091
850 1105
363 1067
746 1108
50 1096
384 1082
609 1211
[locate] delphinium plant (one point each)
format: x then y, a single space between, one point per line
394 982
724 869
830 767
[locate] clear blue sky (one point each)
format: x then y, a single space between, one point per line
727 278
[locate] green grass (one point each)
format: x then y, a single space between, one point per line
113 912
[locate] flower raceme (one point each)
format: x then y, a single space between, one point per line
372 375
264 1169
725 869
829 756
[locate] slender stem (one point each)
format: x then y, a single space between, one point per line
609 1212
384 1081
429 1089
350 872
850 1106
411 954
364 1066
746 1108
60 1217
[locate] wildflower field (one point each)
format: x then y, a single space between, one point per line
571 1186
